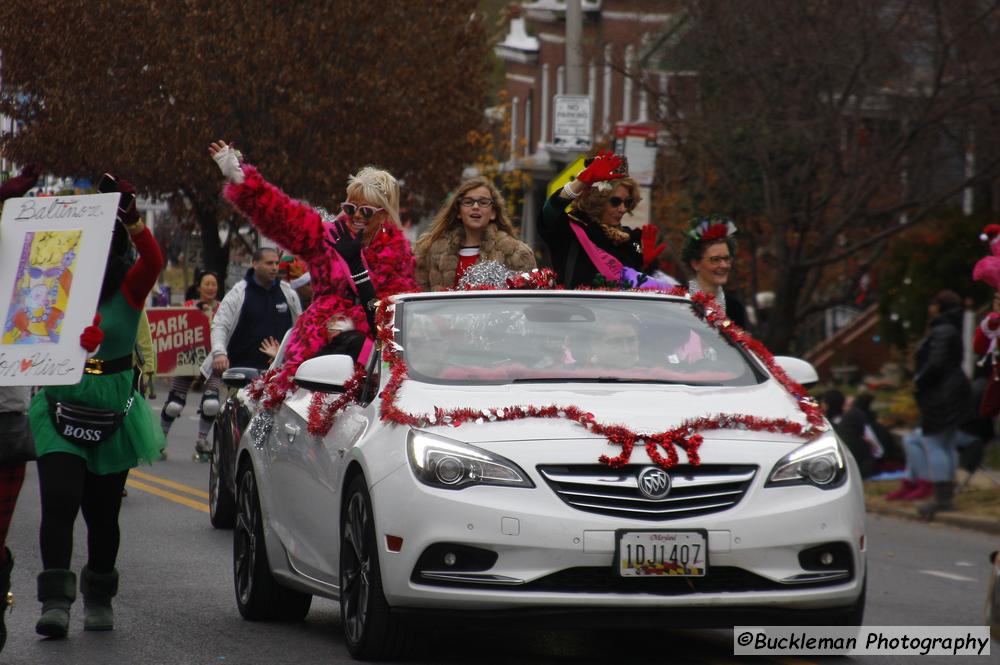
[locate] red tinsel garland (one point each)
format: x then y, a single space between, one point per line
323 410
686 435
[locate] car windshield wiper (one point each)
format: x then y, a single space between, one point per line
612 379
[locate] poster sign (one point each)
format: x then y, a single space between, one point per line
571 122
638 144
182 338
53 252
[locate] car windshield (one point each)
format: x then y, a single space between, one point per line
492 339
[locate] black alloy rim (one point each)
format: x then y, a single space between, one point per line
213 477
247 524
356 581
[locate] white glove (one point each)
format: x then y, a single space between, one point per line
229 164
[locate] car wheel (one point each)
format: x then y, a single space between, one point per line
258 594
992 618
221 502
850 616
370 629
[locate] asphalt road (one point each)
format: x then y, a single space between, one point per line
176 602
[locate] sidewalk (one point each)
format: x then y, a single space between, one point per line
977 504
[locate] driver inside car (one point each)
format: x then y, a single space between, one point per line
618 345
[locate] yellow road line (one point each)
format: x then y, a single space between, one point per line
135 473
170 496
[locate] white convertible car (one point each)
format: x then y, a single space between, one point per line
520 452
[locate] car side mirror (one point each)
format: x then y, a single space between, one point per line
798 370
326 374
238 377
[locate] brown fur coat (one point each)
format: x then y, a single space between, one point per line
436 266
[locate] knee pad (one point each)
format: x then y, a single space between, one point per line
173 406
210 405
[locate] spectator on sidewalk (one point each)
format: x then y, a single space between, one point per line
849 426
886 449
944 399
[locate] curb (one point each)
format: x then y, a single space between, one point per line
982 524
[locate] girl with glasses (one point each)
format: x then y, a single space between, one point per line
353 258
708 251
470 227
588 242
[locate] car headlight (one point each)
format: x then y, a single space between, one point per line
448 464
819 463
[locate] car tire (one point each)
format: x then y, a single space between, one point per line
371 631
259 597
850 616
221 502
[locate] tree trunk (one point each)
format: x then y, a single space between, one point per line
215 256
782 322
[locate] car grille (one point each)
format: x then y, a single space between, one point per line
695 490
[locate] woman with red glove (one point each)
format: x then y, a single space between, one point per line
83 463
471 227
589 243
359 256
13 422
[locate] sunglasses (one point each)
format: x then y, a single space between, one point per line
616 201
366 211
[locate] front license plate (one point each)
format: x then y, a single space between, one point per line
652 553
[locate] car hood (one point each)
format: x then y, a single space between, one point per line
642 408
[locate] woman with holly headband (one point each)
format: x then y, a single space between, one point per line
709 251
88 435
357 257
588 244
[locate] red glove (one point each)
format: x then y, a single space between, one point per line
650 250
991 322
604 167
92 335
20 184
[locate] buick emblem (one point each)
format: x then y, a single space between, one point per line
654 483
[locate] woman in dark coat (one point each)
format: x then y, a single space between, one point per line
588 242
944 395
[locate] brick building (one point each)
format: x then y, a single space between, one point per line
616 37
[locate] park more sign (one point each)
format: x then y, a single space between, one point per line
181 339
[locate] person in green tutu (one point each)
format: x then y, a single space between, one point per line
88 435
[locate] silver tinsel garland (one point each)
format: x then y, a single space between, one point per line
485 273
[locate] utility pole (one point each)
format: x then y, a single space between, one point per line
574 54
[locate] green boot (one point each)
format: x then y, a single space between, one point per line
6 597
56 591
98 589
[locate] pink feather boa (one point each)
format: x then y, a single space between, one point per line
301 230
